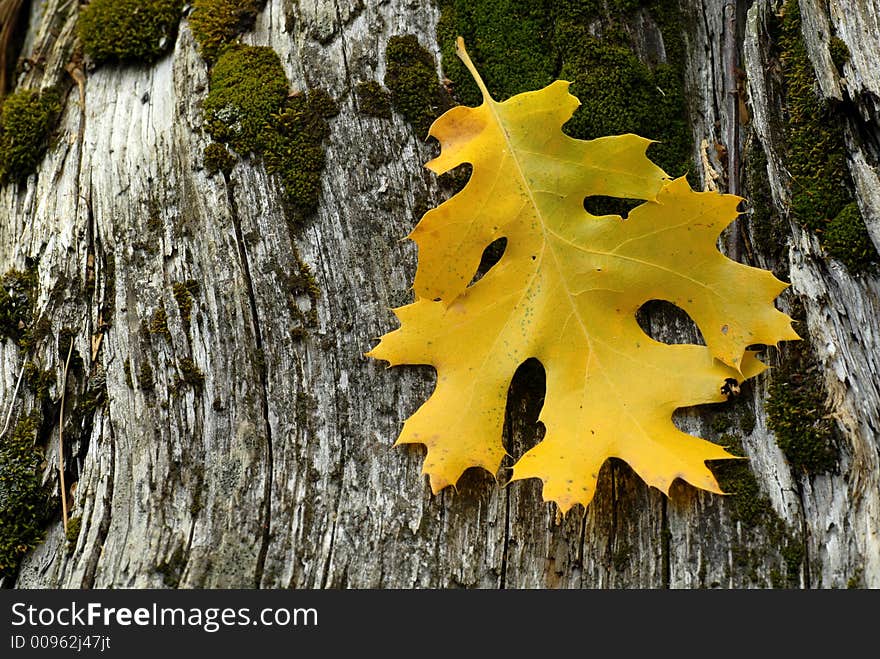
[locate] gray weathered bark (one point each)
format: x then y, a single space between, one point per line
290 480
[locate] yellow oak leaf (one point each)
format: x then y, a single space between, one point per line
566 291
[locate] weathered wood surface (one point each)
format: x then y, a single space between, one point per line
290 480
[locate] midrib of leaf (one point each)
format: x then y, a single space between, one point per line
592 355
546 246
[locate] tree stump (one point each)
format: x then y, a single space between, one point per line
222 426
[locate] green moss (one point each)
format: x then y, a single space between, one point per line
248 87
108 304
39 381
793 553
303 282
27 121
74 525
510 40
846 238
128 30
159 322
748 505
839 52
126 371
768 228
297 284
66 336
855 581
190 374
520 46
295 152
197 484
373 100
172 569
217 158
248 107
24 501
797 411
720 424
304 408
217 23
620 94
411 77
821 185
86 405
621 557
154 219
17 294
759 521
145 376
40 330
184 300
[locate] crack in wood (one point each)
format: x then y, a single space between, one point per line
264 385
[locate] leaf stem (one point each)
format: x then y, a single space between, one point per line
464 57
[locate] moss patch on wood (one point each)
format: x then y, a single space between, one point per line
846 238
128 30
249 107
769 229
373 100
172 569
145 376
126 372
295 152
217 23
798 412
217 159
839 52
298 284
17 294
159 322
108 302
83 413
752 509
27 121
24 502
39 381
524 46
411 76
248 87
190 375
510 41
821 185
183 295
74 526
